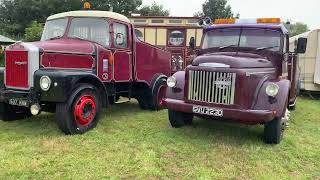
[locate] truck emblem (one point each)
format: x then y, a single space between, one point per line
20 63
223 82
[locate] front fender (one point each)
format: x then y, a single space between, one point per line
63 83
279 103
177 92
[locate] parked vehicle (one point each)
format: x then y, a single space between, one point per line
240 74
85 61
172 34
309 62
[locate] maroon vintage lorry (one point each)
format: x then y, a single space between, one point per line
244 72
85 61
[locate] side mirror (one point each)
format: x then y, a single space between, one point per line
192 43
301 45
119 39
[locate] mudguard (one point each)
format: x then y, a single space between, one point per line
64 82
158 86
177 92
279 103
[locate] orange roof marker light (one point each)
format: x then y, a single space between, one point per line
269 21
249 21
225 21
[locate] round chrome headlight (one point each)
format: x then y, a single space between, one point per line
45 83
272 89
171 82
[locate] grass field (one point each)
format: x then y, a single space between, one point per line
130 143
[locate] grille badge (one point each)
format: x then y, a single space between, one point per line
20 63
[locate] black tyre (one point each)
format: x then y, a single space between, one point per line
149 98
12 113
81 112
179 119
273 131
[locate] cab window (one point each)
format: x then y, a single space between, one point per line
120 35
92 29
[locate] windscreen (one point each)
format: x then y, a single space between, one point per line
247 38
92 29
54 29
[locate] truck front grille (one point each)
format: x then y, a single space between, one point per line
212 87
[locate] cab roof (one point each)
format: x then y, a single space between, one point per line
98 14
279 27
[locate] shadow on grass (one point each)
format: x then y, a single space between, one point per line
204 129
220 131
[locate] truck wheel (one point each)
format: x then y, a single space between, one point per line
149 98
273 131
10 113
81 112
179 119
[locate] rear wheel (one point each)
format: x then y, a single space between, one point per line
81 112
12 113
274 130
149 99
179 119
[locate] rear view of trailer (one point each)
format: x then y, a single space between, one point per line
309 62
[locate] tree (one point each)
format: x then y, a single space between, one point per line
33 32
154 10
16 15
296 28
216 9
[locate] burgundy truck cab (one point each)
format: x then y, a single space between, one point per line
244 72
85 61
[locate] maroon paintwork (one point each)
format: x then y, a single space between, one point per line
19 77
254 70
140 61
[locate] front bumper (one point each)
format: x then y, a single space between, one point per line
30 96
237 115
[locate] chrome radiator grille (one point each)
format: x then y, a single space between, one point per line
212 87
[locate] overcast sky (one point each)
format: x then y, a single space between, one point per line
307 11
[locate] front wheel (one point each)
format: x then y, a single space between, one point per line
81 112
274 130
179 119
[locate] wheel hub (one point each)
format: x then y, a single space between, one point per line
85 110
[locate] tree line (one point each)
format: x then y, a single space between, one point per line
25 18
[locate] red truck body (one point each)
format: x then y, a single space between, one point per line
86 60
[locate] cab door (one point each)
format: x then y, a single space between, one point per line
122 52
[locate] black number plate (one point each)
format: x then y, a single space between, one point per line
208 111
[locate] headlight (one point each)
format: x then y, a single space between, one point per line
45 83
171 82
272 89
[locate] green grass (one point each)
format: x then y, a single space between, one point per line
130 143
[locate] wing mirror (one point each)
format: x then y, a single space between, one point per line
301 45
192 43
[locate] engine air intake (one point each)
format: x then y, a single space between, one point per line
212 87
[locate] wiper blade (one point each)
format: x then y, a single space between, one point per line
264 48
57 37
77 37
223 47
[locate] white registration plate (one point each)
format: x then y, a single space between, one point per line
18 102
208 111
